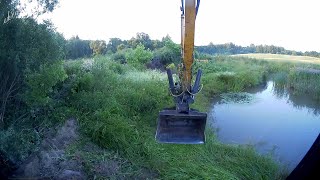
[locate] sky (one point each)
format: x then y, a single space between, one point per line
292 24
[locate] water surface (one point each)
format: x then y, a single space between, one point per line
271 118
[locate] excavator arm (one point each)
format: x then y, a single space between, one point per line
182 125
188 18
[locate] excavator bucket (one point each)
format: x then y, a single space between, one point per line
181 128
183 125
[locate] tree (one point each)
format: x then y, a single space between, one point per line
98 47
78 48
141 38
10 9
156 44
121 47
24 46
113 44
170 53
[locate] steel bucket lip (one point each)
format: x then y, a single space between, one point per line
179 142
172 112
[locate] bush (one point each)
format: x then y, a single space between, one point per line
139 56
41 84
168 54
25 47
16 145
119 56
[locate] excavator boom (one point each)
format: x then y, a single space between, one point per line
182 125
188 19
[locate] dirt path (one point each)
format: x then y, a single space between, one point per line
64 154
50 160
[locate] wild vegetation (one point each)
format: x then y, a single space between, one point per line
115 93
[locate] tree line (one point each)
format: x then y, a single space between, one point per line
78 48
230 48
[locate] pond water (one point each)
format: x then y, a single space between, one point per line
271 118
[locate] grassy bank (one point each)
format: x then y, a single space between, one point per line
236 73
118 106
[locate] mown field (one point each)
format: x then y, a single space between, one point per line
282 57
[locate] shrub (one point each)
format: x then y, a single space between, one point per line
167 55
139 56
41 83
119 56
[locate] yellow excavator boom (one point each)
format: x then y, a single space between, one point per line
188 19
181 124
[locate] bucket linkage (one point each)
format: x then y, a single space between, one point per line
182 125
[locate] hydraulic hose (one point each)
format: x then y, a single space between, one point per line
197 7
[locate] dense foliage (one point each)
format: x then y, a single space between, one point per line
26 47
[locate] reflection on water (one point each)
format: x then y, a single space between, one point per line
274 120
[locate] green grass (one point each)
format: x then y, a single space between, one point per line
303 82
299 73
102 163
118 108
281 57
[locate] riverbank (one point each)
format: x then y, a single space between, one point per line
117 106
118 111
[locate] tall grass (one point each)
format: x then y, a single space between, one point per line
119 111
229 74
235 74
304 82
